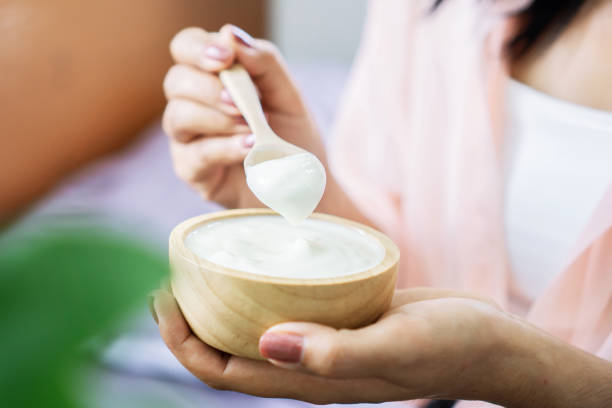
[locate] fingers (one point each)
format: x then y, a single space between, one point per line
265 380
212 52
209 152
183 120
207 51
398 339
269 71
259 378
186 82
204 163
328 352
177 335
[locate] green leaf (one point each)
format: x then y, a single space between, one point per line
57 290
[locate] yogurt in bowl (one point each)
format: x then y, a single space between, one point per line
268 245
236 273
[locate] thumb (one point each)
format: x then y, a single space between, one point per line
265 65
323 350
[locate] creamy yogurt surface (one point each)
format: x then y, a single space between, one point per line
269 245
292 185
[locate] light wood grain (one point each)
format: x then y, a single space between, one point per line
230 309
268 145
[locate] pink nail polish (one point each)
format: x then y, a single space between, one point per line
249 140
242 36
226 97
218 52
284 347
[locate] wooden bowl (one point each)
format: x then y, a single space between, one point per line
230 309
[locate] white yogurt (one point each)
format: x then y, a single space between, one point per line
292 186
268 245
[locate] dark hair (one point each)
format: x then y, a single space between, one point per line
541 19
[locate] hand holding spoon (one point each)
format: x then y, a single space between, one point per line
285 177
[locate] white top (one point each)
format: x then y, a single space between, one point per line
559 164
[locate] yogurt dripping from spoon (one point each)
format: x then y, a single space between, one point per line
292 185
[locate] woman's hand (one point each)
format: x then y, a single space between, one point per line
431 344
208 136
428 344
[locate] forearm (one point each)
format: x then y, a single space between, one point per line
540 370
336 201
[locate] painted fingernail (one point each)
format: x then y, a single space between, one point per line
151 301
226 97
242 36
218 52
283 347
249 140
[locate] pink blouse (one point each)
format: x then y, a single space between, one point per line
418 145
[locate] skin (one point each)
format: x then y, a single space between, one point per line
81 79
431 343
209 138
576 66
451 345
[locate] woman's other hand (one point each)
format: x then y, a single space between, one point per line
431 344
208 136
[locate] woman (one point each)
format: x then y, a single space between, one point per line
435 146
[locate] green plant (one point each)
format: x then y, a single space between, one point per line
59 289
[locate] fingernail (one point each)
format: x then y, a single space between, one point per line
249 140
218 52
242 36
226 97
283 347
151 301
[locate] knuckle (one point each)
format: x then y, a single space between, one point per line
171 80
187 34
173 119
176 121
173 345
327 361
167 121
185 37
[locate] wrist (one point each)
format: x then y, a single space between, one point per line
537 369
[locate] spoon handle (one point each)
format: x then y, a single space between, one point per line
241 88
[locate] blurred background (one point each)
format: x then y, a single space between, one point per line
82 79
87 191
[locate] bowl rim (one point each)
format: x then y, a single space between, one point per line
180 232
